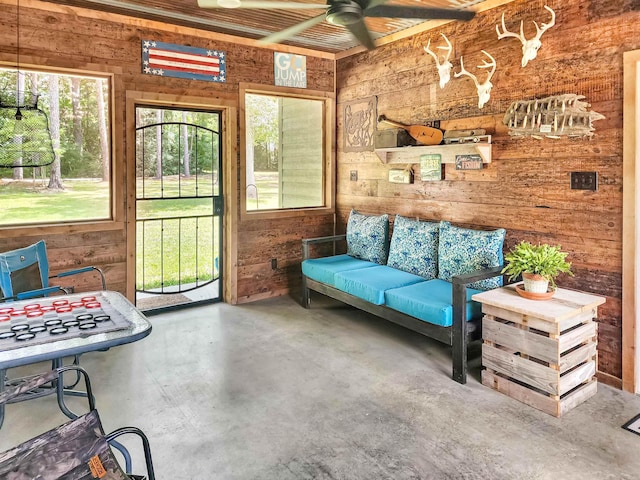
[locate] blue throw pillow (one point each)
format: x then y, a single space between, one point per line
462 250
414 247
368 237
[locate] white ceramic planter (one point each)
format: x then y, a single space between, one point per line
535 283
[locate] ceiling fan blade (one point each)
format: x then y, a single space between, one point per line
399 11
259 4
361 32
375 3
293 30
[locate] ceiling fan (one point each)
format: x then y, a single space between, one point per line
347 13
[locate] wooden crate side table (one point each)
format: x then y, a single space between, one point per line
540 352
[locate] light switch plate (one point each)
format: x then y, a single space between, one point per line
584 181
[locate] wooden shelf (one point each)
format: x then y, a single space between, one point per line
448 152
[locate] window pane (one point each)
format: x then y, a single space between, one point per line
76 186
284 153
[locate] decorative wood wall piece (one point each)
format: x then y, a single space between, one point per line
181 61
290 70
359 125
552 117
430 167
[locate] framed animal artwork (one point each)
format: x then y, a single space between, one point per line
359 118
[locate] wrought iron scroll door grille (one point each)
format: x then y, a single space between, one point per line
179 209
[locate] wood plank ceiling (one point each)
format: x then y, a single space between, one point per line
257 23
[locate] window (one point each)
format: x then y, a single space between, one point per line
77 185
286 150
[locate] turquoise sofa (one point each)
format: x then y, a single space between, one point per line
422 277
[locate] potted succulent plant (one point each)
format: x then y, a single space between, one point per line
539 266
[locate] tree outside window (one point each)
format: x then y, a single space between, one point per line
77 185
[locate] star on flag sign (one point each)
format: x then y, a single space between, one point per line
169 60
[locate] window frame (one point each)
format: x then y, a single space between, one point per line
328 99
115 220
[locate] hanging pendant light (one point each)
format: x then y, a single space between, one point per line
25 139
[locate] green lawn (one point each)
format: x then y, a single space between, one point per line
267 189
31 202
170 251
176 240
174 251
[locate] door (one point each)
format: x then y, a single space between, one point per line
178 208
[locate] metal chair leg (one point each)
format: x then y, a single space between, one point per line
61 390
76 362
145 445
3 384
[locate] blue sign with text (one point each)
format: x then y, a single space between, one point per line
290 70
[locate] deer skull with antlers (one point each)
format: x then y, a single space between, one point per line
444 68
484 89
529 47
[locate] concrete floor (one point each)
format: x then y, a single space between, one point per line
272 391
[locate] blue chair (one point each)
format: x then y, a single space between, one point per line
24 274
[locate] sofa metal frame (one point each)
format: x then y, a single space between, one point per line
458 336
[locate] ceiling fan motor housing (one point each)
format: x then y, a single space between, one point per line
344 13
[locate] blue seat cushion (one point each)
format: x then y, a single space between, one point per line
324 269
371 283
430 301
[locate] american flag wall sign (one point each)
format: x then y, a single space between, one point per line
169 60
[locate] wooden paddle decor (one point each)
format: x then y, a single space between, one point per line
422 134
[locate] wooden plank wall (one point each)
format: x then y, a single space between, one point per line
65 37
526 188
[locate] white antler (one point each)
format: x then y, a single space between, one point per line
444 68
529 47
484 89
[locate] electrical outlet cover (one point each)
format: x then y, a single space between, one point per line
584 181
